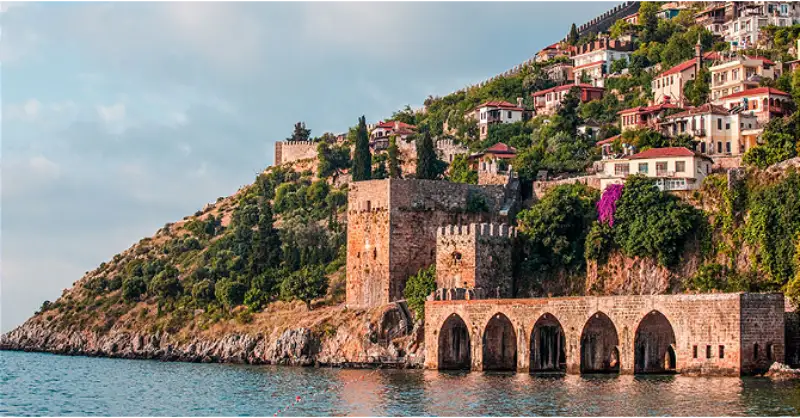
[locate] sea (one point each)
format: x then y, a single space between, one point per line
36 384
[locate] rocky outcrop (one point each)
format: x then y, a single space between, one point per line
295 346
621 275
780 371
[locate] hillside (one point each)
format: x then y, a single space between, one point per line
259 276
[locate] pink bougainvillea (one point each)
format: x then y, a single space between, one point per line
608 204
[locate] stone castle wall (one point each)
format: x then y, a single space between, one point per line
762 331
403 217
291 151
475 256
710 335
447 149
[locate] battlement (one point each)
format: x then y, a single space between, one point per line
478 230
290 151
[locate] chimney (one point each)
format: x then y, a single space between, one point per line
698 54
519 101
396 126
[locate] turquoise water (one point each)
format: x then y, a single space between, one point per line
44 384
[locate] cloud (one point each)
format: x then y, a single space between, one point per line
113 114
44 167
27 111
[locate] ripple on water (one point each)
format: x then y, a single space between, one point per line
43 384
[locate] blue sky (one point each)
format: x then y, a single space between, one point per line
120 117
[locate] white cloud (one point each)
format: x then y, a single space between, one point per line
44 167
113 114
27 111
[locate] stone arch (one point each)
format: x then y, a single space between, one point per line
653 345
499 344
599 345
548 349
454 351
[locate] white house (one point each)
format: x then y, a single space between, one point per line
717 130
675 168
593 60
496 111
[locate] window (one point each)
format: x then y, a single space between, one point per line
755 351
456 257
661 168
680 166
770 354
719 124
727 126
509 114
722 351
643 168
708 351
703 147
622 169
369 205
694 351
719 147
728 147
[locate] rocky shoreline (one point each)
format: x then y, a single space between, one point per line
293 347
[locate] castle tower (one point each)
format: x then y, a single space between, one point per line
392 230
475 256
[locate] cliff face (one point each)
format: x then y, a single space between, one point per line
621 275
361 338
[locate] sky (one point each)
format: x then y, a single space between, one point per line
120 117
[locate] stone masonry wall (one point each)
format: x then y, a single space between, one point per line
701 324
405 221
762 331
290 151
475 256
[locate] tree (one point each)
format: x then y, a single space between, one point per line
406 116
780 142
203 291
573 36
362 159
393 152
418 288
796 86
305 284
300 132
428 165
648 20
620 28
568 111
555 228
697 90
133 288
230 293
165 284
333 159
461 172
266 244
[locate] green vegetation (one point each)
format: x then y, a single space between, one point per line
306 284
780 141
429 167
362 159
418 287
461 172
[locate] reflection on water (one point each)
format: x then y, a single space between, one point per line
41 384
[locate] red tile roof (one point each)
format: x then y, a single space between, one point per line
566 87
755 91
591 64
702 109
389 124
608 140
649 109
501 148
663 152
501 104
689 64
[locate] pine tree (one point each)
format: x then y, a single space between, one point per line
428 165
300 132
573 36
394 162
266 251
362 159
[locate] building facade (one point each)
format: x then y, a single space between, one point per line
737 74
716 130
496 111
547 102
675 168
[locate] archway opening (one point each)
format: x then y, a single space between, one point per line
599 341
499 344
454 345
653 345
548 345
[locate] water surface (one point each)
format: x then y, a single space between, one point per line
44 384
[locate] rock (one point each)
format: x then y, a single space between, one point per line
780 371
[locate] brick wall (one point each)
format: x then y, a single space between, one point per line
763 331
403 216
290 151
707 322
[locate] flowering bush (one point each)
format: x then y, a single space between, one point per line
607 204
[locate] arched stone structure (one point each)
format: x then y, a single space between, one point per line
454 351
499 344
600 345
654 345
548 345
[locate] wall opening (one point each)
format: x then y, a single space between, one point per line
548 345
499 344
454 345
599 341
653 344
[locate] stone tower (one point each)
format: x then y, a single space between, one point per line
475 258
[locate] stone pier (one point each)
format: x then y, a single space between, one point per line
728 334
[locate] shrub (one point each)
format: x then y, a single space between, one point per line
133 288
203 291
418 288
165 284
709 277
230 293
305 284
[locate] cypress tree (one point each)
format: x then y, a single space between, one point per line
266 242
362 159
427 163
573 36
394 161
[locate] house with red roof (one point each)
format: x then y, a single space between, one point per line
549 52
380 133
739 73
673 168
496 111
764 102
717 130
546 102
593 60
668 86
645 116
